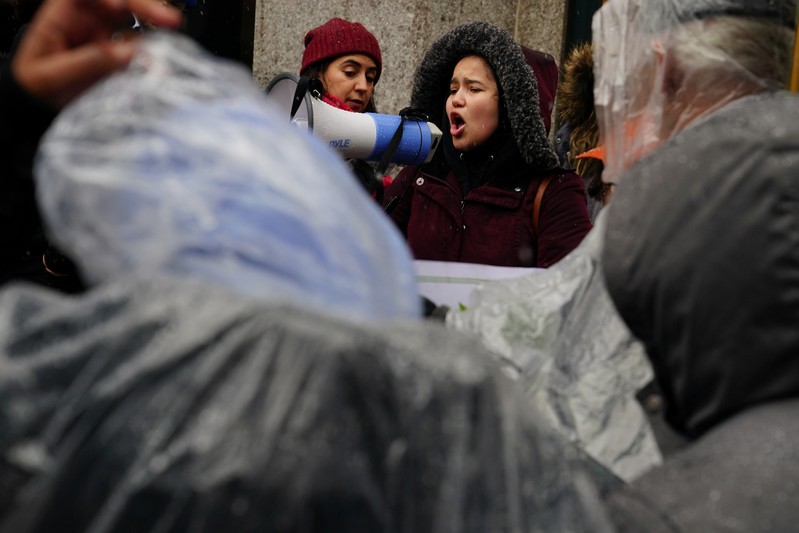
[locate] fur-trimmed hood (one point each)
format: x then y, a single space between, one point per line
516 79
576 91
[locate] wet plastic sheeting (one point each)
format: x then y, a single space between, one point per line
630 36
558 333
166 406
179 165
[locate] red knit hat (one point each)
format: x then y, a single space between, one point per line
338 37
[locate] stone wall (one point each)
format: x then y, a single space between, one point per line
404 28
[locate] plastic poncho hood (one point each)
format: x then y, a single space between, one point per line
651 62
518 85
668 13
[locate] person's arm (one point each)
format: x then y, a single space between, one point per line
71 44
564 219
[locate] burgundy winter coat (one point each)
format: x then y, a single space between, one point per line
493 223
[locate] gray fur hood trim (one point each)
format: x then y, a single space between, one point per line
515 77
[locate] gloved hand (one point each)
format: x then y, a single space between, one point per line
365 174
434 311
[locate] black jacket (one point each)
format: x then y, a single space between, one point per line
24 250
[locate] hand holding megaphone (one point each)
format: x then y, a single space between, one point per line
402 139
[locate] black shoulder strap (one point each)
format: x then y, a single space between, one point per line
398 198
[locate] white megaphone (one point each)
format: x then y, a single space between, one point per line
367 136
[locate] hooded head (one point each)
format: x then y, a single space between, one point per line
517 82
701 252
576 108
546 75
338 37
662 64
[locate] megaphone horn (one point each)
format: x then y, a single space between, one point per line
368 136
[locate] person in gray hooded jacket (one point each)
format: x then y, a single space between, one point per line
702 250
494 193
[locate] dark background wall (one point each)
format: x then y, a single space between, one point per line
224 27
578 22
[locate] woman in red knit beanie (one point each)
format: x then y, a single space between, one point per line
345 57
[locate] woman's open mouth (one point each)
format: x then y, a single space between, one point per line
456 124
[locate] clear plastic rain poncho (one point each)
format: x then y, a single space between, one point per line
650 60
557 333
178 166
701 250
171 406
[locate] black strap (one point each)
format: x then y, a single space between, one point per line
304 84
391 149
392 204
406 113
